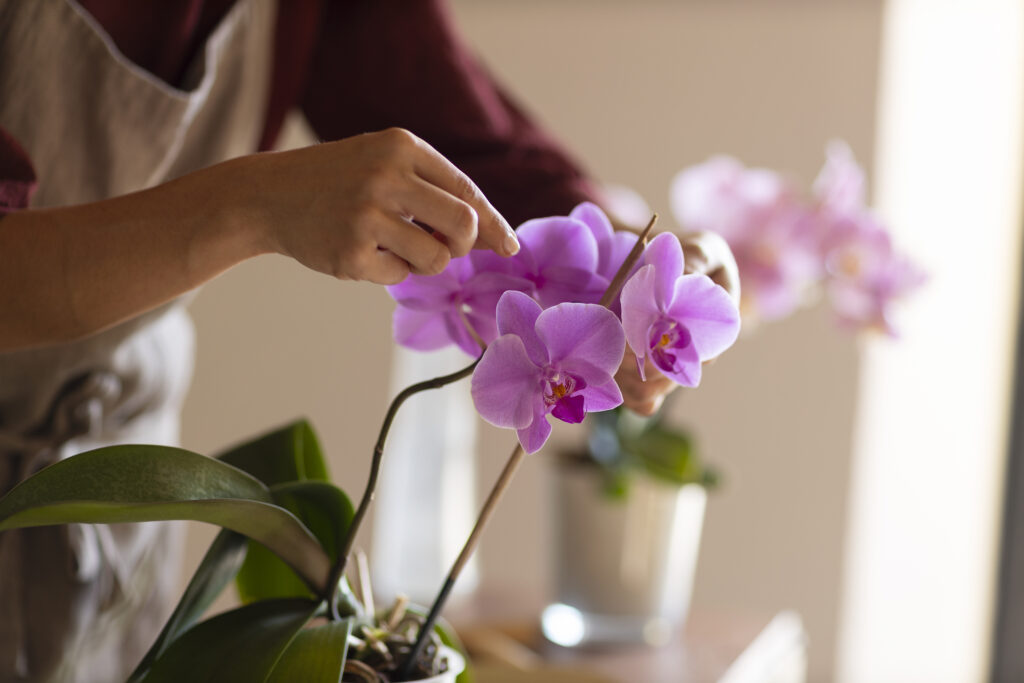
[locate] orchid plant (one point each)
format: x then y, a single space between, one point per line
547 330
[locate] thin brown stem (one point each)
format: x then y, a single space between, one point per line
627 265
472 330
338 570
500 486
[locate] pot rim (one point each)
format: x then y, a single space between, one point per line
456 662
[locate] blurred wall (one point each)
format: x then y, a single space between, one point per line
638 90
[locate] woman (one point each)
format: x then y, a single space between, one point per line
128 177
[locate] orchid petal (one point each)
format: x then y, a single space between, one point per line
618 249
559 241
419 330
840 186
570 284
665 253
681 365
587 371
536 434
425 293
586 332
570 409
708 312
517 314
639 310
505 384
602 397
594 218
483 290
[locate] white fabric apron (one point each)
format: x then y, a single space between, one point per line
84 602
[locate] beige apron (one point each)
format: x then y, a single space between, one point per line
84 602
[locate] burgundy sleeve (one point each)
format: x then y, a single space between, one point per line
383 63
17 177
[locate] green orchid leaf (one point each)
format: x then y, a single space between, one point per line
151 483
289 453
219 566
322 507
316 655
328 513
264 576
665 454
240 646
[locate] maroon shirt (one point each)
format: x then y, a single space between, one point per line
355 66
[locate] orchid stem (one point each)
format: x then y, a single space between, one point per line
634 255
338 570
472 330
504 479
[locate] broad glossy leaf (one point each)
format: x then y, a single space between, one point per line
326 511
289 453
150 483
317 655
219 566
322 507
240 646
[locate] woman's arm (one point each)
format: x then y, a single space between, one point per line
341 208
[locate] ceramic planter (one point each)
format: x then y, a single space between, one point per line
624 567
456 665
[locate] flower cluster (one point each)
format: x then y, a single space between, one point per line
787 247
550 347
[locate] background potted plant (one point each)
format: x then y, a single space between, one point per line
631 503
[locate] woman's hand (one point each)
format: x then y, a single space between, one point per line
344 208
347 208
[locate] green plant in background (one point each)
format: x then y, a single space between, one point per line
624 446
284 525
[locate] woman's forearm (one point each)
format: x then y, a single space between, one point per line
344 208
71 271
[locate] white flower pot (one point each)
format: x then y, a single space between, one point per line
624 567
456 665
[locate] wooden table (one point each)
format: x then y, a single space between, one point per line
506 647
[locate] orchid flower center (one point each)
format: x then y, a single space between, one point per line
668 338
850 263
562 397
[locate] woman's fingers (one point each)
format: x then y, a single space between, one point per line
494 232
453 220
386 269
347 208
424 254
643 397
709 253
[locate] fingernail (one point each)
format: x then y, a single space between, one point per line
511 243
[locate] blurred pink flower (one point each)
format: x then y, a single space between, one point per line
864 275
770 231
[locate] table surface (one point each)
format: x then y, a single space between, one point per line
507 647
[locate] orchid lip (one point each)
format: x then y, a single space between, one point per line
667 338
669 334
562 398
